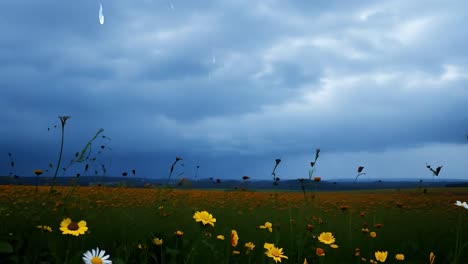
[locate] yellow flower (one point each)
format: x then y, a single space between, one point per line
234 238
273 252
140 246
373 234
381 256
179 233
220 237
431 258
326 238
249 245
45 228
235 252
305 261
268 245
267 225
204 217
158 241
400 257
68 227
334 246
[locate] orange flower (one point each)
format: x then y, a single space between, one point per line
317 179
320 252
234 238
344 208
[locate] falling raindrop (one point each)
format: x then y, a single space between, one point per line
101 15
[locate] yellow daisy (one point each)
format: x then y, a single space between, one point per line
326 238
267 225
381 256
273 252
45 228
249 245
69 227
158 241
400 257
204 217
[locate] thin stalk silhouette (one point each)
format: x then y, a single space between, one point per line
172 169
63 120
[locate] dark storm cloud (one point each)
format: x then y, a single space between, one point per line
235 82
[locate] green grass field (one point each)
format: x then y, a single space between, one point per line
124 222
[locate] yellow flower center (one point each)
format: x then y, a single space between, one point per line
275 252
96 260
74 226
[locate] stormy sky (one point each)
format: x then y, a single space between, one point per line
232 85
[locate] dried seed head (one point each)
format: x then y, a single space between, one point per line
64 119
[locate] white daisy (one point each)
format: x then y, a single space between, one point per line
464 204
96 256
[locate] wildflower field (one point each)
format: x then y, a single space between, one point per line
76 224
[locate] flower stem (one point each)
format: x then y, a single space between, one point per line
59 159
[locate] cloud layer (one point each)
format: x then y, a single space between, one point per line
235 84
